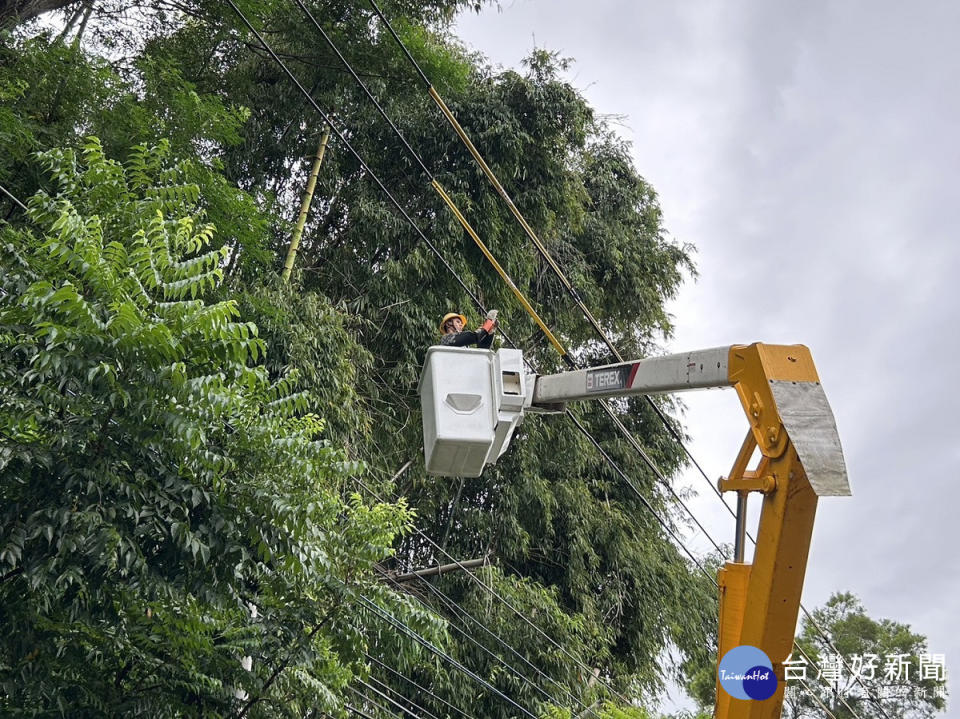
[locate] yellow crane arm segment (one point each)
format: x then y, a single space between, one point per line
801 459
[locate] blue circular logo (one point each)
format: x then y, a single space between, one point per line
747 673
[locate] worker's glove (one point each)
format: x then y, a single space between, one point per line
490 322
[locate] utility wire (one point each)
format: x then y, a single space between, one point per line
459 612
452 604
392 701
412 703
820 671
358 712
520 675
817 699
437 186
368 700
350 148
418 686
427 644
7 192
493 592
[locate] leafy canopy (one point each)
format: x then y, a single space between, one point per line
165 507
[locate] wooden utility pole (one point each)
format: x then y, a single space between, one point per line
305 206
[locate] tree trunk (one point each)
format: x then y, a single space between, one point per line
17 12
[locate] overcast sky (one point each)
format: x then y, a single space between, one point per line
810 151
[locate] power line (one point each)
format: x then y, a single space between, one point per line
460 612
502 600
350 148
418 686
427 644
392 701
453 605
358 712
405 698
7 192
367 700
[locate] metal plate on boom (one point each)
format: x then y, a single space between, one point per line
809 422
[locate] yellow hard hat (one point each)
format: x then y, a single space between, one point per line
451 315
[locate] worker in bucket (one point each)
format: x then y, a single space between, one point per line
454 335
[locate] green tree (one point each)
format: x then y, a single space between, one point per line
574 548
887 656
165 507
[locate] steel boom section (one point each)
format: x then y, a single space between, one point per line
702 369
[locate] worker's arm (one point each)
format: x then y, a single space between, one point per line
467 337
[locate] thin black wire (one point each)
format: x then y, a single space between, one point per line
484 649
446 601
623 475
427 644
499 597
418 686
369 700
457 608
412 703
358 712
6 192
363 86
393 701
350 148
400 42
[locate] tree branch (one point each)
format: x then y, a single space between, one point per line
280 667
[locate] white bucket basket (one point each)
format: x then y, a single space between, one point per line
472 402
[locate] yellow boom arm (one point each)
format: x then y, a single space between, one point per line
801 459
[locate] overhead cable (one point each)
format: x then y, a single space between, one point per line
459 612
427 644
407 679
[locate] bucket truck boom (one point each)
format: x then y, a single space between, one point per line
473 401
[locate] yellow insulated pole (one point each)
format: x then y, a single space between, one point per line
305 206
496 265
